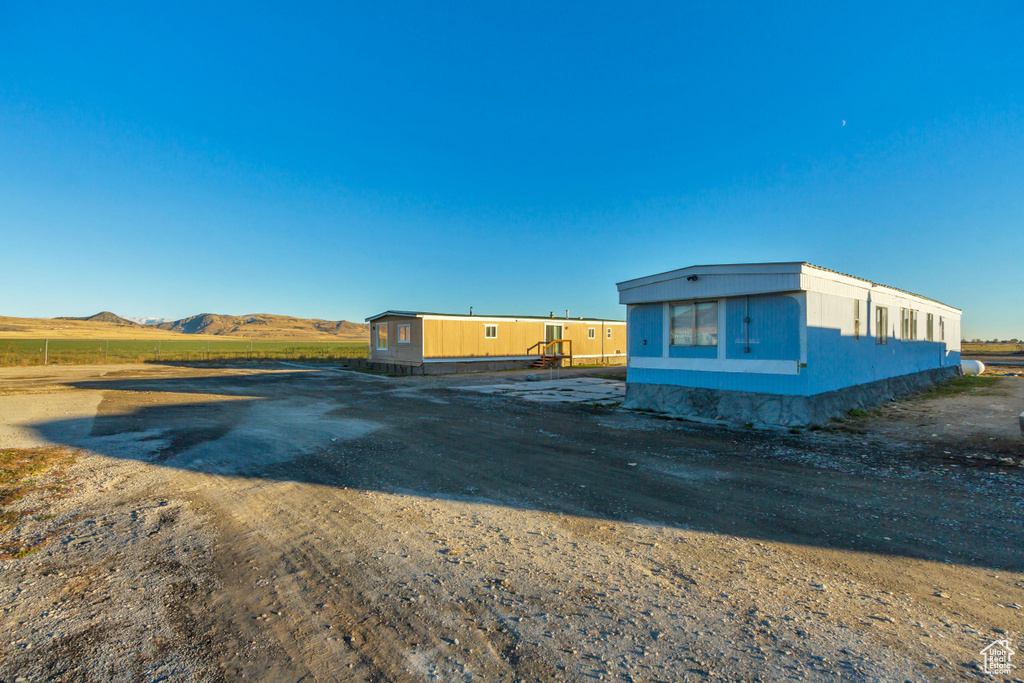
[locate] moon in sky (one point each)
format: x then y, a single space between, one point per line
844 122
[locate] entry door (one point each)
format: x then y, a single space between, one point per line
551 333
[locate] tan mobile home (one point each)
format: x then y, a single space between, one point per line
438 343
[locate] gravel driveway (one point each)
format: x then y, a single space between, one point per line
285 524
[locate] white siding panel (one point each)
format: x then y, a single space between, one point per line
711 287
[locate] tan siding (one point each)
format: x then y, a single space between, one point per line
582 345
464 338
400 352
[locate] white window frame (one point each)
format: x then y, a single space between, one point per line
385 337
881 325
908 324
694 304
407 328
487 328
856 319
591 333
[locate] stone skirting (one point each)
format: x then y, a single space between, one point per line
774 409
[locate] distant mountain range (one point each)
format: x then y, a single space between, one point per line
265 325
104 317
255 326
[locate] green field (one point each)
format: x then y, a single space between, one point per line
79 351
992 348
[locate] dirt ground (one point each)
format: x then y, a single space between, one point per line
286 524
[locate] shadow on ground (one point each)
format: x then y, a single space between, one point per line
413 437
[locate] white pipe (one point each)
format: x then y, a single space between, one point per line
972 367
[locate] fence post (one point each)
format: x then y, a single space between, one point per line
106 349
46 351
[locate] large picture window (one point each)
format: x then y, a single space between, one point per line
694 323
382 336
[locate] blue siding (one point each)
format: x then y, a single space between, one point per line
774 328
792 385
835 360
644 330
693 351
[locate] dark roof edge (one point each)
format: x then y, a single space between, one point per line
420 314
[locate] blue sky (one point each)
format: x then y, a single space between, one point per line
333 161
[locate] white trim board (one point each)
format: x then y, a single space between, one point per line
737 365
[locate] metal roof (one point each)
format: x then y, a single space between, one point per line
671 274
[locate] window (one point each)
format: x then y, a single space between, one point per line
490 331
930 328
942 328
856 319
591 333
382 336
908 324
694 323
881 325
609 333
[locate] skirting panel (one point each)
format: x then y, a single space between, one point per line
745 407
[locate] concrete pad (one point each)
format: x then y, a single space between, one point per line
576 390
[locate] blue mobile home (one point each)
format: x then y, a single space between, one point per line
779 343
